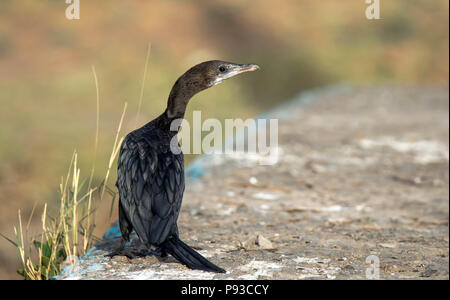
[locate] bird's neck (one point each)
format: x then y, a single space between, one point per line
189 84
179 98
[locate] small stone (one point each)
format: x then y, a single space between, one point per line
253 180
248 244
430 270
348 270
264 243
316 168
119 259
388 245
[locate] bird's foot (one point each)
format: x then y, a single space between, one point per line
129 253
133 253
158 252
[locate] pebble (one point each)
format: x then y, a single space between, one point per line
430 270
388 245
253 180
260 242
264 243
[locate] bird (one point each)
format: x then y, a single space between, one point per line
150 175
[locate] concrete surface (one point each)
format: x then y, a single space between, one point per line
361 188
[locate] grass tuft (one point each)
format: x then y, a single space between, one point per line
69 235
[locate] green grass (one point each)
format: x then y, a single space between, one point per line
64 236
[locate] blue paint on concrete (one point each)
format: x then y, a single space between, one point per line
195 171
113 232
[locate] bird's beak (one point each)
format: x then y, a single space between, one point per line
239 69
246 68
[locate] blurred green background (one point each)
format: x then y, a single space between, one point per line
47 90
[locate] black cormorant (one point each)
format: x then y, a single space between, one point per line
150 176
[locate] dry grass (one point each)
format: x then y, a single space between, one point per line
70 234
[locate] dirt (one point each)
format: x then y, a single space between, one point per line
360 190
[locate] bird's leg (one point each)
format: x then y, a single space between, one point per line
122 251
151 250
158 251
133 253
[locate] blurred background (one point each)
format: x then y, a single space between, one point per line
47 89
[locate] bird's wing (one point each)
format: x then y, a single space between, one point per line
151 186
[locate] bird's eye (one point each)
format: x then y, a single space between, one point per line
222 69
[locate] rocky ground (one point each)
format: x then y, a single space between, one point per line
360 190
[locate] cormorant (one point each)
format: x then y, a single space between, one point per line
150 177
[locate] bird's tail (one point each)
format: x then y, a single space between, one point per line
188 256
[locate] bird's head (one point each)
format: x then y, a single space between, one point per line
201 77
217 71
211 73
